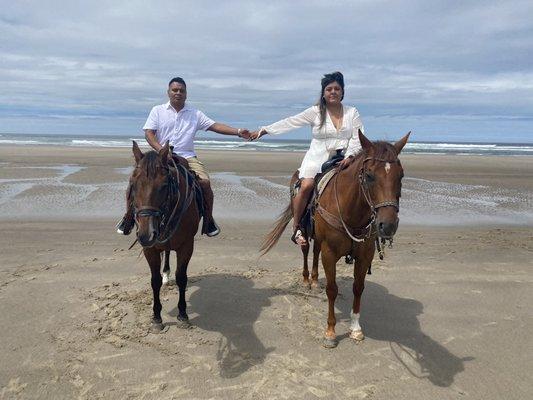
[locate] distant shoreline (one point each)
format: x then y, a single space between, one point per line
268 145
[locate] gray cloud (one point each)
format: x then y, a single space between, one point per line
414 64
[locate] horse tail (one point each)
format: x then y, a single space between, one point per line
272 238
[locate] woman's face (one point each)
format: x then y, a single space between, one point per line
333 93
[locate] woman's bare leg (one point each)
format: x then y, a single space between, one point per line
301 199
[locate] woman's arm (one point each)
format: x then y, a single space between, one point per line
354 146
306 117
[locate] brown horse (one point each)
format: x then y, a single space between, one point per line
358 205
167 217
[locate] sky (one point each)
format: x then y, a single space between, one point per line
445 70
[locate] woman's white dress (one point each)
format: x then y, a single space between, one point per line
326 140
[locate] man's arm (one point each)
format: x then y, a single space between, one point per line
149 134
228 130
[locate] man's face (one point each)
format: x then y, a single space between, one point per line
177 93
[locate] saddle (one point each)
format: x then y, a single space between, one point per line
328 171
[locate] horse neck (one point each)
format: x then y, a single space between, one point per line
355 209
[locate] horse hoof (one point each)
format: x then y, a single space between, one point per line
357 335
183 322
166 278
157 327
330 343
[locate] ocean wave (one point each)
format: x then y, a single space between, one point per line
266 145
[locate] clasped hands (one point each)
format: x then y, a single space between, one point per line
251 136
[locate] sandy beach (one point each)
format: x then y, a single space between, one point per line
446 314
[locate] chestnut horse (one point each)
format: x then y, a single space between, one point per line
167 217
359 205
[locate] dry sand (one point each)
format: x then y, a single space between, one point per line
447 314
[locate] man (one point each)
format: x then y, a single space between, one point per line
178 123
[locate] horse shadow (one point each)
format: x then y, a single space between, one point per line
231 305
389 318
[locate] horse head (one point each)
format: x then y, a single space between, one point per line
380 178
149 183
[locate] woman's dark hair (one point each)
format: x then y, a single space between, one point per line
326 80
177 80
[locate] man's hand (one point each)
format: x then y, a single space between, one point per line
346 162
244 134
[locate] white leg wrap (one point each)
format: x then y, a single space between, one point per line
356 331
166 278
354 326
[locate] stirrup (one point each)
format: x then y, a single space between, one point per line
298 237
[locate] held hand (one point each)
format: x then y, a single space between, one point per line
344 163
257 134
244 134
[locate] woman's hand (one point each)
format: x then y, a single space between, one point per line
257 134
344 163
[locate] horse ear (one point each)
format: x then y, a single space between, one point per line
365 143
163 153
137 153
400 143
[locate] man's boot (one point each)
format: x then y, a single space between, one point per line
209 226
126 224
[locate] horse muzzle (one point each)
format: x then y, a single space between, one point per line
147 239
386 230
148 226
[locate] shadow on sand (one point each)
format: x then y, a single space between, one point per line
231 305
389 318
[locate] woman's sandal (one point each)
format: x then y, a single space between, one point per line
298 237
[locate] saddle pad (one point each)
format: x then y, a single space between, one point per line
324 180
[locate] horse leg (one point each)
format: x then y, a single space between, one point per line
361 266
314 271
154 261
183 257
329 261
305 273
166 268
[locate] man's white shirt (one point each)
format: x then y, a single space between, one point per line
179 128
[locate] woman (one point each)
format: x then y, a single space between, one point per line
334 127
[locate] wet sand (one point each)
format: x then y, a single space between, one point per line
446 315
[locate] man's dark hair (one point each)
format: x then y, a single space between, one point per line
177 80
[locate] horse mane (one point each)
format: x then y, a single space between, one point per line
150 162
384 150
381 149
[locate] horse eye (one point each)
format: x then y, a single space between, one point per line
370 177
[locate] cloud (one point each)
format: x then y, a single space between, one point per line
252 62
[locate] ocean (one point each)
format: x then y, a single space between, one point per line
223 143
70 190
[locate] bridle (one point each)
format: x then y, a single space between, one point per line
370 228
366 191
168 221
